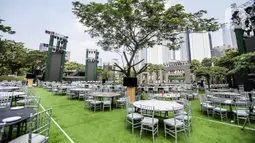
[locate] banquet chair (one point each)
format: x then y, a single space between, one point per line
6 99
70 95
39 126
95 104
241 111
87 99
107 103
132 118
149 123
33 102
81 95
2 125
54 90
173 126
219 110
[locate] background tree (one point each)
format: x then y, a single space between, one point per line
13 56
218 74
244 62
206 62
204 72
74 66
38 60
195 64
5 29
228 62
133 25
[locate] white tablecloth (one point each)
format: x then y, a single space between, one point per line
6 88
159 105
12 93
80 89
105 94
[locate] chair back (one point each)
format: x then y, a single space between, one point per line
148 111
5 99
129 107
241 105
2 125
180 113
32 102
40 125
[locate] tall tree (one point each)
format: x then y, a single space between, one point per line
74 66
38 60
206 62
195 64
244 62
133 25
204 72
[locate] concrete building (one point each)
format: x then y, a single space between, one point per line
228 35
219 51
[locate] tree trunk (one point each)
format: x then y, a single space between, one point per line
208 83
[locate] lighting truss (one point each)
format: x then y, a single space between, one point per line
56 35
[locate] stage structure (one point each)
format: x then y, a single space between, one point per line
91 64
243 20
56 56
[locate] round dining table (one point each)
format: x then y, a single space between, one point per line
167 95
8 112
226 94
161 106
106 95
80 89
8 88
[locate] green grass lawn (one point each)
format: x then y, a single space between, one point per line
84 126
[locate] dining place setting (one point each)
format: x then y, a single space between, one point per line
15 121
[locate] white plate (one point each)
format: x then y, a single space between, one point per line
17 108
11 119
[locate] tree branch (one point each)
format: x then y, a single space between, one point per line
143 69
137 63
125 56
121 69
134 71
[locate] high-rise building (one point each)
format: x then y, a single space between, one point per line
194 46
228 34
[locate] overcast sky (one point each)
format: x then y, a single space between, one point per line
30 18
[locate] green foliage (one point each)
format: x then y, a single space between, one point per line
16 59
133 25
5 29
215 60
206 62
74 66
228 61
144 96
155 68
195 64
176 78
9 78
244 62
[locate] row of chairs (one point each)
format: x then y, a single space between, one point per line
215 107
146 121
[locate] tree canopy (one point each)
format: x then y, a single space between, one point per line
15 58
195 64
74 66
133 25
5 29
